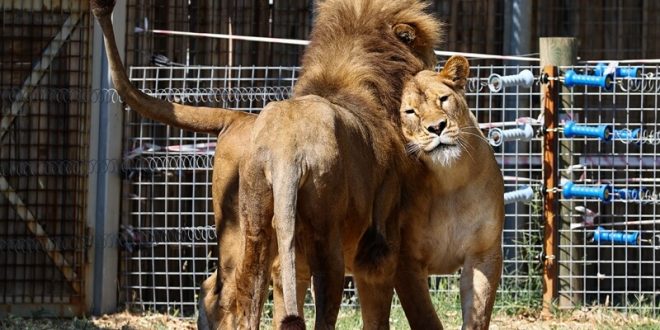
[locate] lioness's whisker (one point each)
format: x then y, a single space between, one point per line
481 137
463 145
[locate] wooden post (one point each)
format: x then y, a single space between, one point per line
565 276
550 113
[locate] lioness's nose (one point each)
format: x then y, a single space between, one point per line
438 128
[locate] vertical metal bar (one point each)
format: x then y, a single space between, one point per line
551 114
107 183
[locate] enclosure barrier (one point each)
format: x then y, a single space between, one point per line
172 173
159 272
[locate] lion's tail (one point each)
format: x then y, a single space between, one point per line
286 180
198 119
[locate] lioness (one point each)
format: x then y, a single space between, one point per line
455 221
338 135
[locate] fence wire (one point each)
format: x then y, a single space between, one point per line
168 185
594 270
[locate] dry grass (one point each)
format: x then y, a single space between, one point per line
596 318
123 321
350 319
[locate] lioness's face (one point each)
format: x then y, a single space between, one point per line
435 116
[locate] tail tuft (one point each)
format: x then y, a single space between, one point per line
374 256
102 7
293 322
372 249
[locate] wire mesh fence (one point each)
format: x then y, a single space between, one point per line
43 237
161 195
168 184
608 254
168 188
609 246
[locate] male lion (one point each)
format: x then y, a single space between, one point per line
323 171
338 134
456 217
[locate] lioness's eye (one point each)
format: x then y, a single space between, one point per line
444 98
410 111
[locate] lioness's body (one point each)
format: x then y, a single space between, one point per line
456 219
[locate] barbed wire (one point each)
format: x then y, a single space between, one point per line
52 95
59 95
164 162
647 83
24 245
156 163
221 95
61 167
128 239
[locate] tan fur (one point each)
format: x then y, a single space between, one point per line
336 145
455 218
324 169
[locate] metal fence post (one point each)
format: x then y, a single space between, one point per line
105 183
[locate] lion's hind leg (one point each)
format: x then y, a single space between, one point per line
377 255
412 287
327 266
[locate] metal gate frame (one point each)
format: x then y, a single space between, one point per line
74 274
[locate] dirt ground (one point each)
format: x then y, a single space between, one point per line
576 320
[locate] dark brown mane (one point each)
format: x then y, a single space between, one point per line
354 50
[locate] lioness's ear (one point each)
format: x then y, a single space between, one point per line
456 69
405 32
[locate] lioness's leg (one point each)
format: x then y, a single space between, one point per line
479 279
375 300
221 307
412 287
252 275
216 308
206 319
